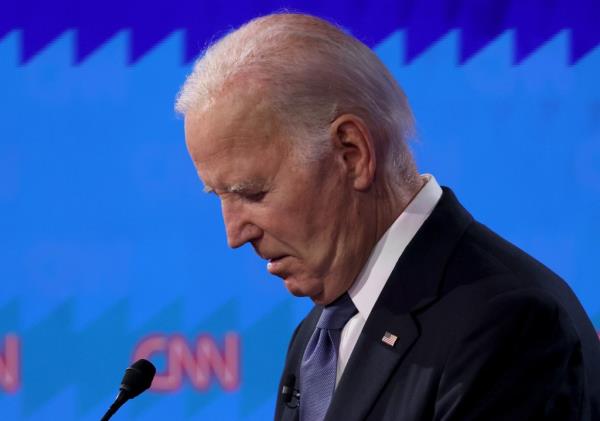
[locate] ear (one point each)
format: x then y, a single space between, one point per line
354 143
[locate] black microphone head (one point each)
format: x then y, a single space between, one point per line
138 378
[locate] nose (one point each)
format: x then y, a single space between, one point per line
239 227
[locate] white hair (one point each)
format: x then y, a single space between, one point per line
311 72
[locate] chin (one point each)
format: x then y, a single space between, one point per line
304 288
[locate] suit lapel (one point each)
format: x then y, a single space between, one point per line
413 284
364 377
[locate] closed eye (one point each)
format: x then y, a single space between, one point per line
255 197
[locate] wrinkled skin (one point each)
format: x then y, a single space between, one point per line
315 223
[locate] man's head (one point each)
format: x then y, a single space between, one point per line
301 132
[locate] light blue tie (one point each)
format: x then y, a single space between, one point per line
319 363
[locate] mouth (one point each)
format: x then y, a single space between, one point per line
275 264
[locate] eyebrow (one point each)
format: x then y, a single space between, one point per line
237 188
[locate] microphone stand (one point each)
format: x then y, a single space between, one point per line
119 401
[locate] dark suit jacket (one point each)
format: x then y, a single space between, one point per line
485 332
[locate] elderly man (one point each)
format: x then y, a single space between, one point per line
420 312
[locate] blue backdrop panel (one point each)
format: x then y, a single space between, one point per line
109 250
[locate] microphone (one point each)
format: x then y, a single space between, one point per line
289 392
137 378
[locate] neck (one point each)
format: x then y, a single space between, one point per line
391 200
375 213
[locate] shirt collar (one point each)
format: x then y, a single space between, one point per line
375 273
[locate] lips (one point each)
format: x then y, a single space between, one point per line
269 256
275 265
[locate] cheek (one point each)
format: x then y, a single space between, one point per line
294 223
316 229
310 214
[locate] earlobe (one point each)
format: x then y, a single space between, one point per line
355 144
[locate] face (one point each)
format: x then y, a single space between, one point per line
301 218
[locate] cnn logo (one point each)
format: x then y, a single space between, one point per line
201 362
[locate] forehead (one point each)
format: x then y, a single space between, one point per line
234 140
236 119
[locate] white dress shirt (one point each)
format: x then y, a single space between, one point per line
372 278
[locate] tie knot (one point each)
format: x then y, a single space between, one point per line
337 314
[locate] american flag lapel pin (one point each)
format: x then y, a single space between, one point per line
389 339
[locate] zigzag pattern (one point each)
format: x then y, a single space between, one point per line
57 356
425 21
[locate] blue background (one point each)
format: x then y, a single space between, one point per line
106 237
